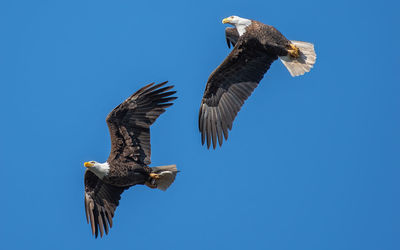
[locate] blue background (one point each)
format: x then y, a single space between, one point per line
312 162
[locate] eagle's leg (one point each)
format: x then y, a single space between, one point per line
151 183
294 51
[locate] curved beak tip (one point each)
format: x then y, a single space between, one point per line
226 20
87 164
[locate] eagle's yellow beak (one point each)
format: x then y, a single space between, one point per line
226 20
88 164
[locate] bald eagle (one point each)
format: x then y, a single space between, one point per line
256 47
127 165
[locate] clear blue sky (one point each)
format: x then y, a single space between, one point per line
311 163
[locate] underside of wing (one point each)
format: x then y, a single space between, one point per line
229 86
129 123
101 200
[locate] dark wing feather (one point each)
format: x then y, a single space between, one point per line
101 200
229 86
129 123
232 36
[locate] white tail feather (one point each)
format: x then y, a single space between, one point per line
167 176
302 64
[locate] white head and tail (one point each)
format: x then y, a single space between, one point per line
297 65
166 174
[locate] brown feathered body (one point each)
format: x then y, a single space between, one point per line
127 175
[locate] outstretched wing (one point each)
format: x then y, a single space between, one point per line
232 36
129 123
229 86
101 200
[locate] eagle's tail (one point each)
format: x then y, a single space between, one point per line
166 176
304 62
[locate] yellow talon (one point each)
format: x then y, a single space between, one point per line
154 176
151 183
294 51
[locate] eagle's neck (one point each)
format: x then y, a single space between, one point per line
100 169
241 25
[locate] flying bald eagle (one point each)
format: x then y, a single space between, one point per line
256 47
127 165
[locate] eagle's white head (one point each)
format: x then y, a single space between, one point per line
99 169
240 23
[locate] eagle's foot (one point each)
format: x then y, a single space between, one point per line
154 176
294 51
151 183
